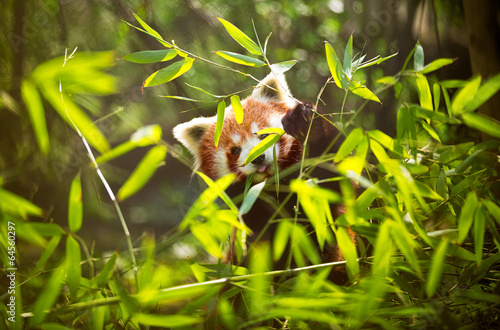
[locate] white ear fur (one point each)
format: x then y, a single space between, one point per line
191 132
273 88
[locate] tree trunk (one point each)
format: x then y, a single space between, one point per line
484 46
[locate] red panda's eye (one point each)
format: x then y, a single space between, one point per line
236 150
263 136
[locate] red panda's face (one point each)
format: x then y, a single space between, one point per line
263 109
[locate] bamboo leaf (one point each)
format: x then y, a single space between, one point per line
465 95
165 321
151 56
484 93
75 207
479 227
169 73
262 146
437 267
98 313
241 37
251 197
282 67
47 297
493 209
240 59
47 252
280 240
73 267
442 185
418 58
15 204
349 144
107 271
482 123
143 172
424 92
360 90
375 61
435 65
348 58
348 250
467 216
237 108
221 108
33 102
151 31
335 67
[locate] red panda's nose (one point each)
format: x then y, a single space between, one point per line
259 160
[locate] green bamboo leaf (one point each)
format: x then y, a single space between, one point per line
251 197
484 93
73 267
418 58
151 56
237 108
143 172
383 251
427 192
116 152
271 130
360 90
482 123
70 112
374 61
262 146
437 267
33 102
47 252
466 183
479 228
435 65
406 244
221 108
75 207
388 80
48 296
493 209
454 152
241 37
349 251
335 67
350 143
15 204
98 313
107 271
387 142
424 92
378 151
442 185
282 67
240 59
280 240
467 216
436 92
151 31
432 115
165 321
217 188
348 58
465 95
169 73
308 188
147 135
431 131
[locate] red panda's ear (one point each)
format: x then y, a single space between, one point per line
191 132
273 88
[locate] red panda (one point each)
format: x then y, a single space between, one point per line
269 105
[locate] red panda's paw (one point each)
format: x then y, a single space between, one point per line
296 122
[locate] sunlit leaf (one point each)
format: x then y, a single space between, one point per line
349 144
151 31
15 204
388 142
493 209
280 239
75 207
335 67
348 250
388 80
221 108
237 108
151 56
73 267
143 172
484 93
217 189
436 270
431 131
465 95
362 91
424 92
240 59
435 65
482 123
169 73
241 37
33 102
107 271
262 146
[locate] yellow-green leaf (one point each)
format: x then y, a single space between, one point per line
48 296
482 123
335 67
465 95
424 92
240 59
151 31
143 172
221 108
237 108
33 102
436 271
262 146
241 37
15 204
169 73
73 267
360 90
151 56
75 206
